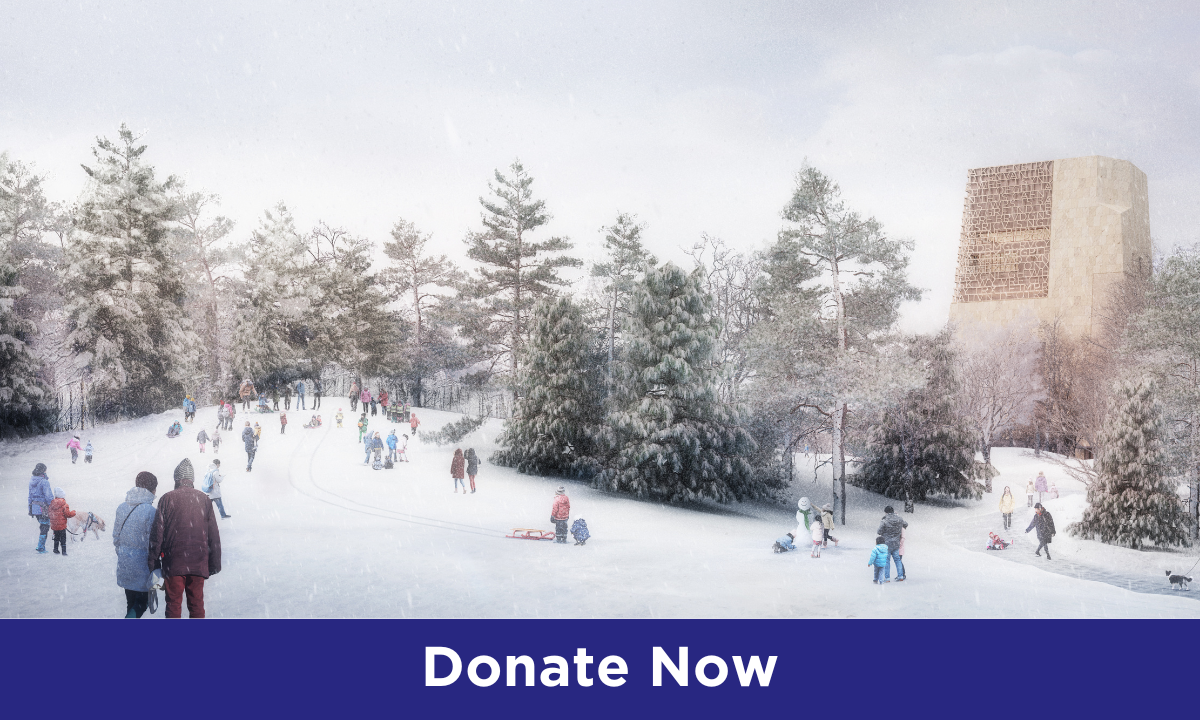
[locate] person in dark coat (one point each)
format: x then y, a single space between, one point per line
890 528
316 394
1044 524
131 537
251 445
40 497
472 466
185 534
457 466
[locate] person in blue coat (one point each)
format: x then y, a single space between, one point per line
368 445
131 538
40 497
784 544
300 395
879 559
391 443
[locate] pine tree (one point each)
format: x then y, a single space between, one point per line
922 445
515 271
123 285
1132 502
668 437
560 408
22 394
627 258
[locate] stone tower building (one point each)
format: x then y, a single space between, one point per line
1049 238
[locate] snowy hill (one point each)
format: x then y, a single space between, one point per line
316 533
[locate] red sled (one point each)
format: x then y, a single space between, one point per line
531 534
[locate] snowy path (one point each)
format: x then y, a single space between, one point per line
316 533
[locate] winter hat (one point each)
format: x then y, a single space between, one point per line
803 504
880 541
561 490
827 507
1037 506
889 509
146 480
77 437
58 493
39 469
791 536
184 474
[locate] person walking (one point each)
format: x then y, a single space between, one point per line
457 468
73 446
472 467
368 444
1007 502
131 538
257 433
383 401
87 458
230 413
300 390
354 396
377 449
247 393
40 497
60 511
891 529
202 438
1029 492
274 398
216 440
1039 485
878 561
186 536
222 415
374 406
364 398
362 426
212 486
827 525
560 513
251 445
1044 524
413 422
316 393
287 396
282 423
339 417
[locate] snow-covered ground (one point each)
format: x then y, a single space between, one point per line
315 533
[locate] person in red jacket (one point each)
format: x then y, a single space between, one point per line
186 537
59 512
457 470
560 513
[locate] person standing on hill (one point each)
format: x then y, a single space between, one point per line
560 513
1007 502
247 393
40 497
202 438
364 397
1044 524
457 470
890 529
316 393
300 390
131 538
287 396
282 423
362 426
472 467
73 446
413 422
251 445
212 486
1039 484
354 396
827 524
216 440
1029 492
186 536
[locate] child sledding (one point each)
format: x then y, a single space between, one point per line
175 429
996 542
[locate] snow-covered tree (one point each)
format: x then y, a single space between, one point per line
424 282
626 259
207 258
1133 501
922 445
514 270
998 371
733 281
1165 339
123 284
561 400
22 395
851 276
668 436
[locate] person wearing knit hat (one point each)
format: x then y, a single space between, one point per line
186 537
251 445
40 497
131 538
560 513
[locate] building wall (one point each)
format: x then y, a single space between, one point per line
1099 232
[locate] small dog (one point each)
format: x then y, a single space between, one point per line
1178 580
79 526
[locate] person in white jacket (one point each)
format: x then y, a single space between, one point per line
212 486
818 536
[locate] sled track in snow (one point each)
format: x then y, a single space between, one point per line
966 533
345 503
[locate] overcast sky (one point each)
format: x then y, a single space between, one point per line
695 116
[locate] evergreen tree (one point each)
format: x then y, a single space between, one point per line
627 259
422 280
554 428
1132 501
668 437
22 394
206 259
922 445
515 271
123 285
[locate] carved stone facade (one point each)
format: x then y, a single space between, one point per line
1048 239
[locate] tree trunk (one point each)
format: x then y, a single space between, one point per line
612 335
987 463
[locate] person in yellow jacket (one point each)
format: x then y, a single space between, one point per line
1007 502
339 417
827 525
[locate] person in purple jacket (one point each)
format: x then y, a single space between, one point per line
40 497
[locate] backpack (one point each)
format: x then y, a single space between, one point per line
207 485
388 464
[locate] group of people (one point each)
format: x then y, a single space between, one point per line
1042 522
374 445
811 522
74 447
